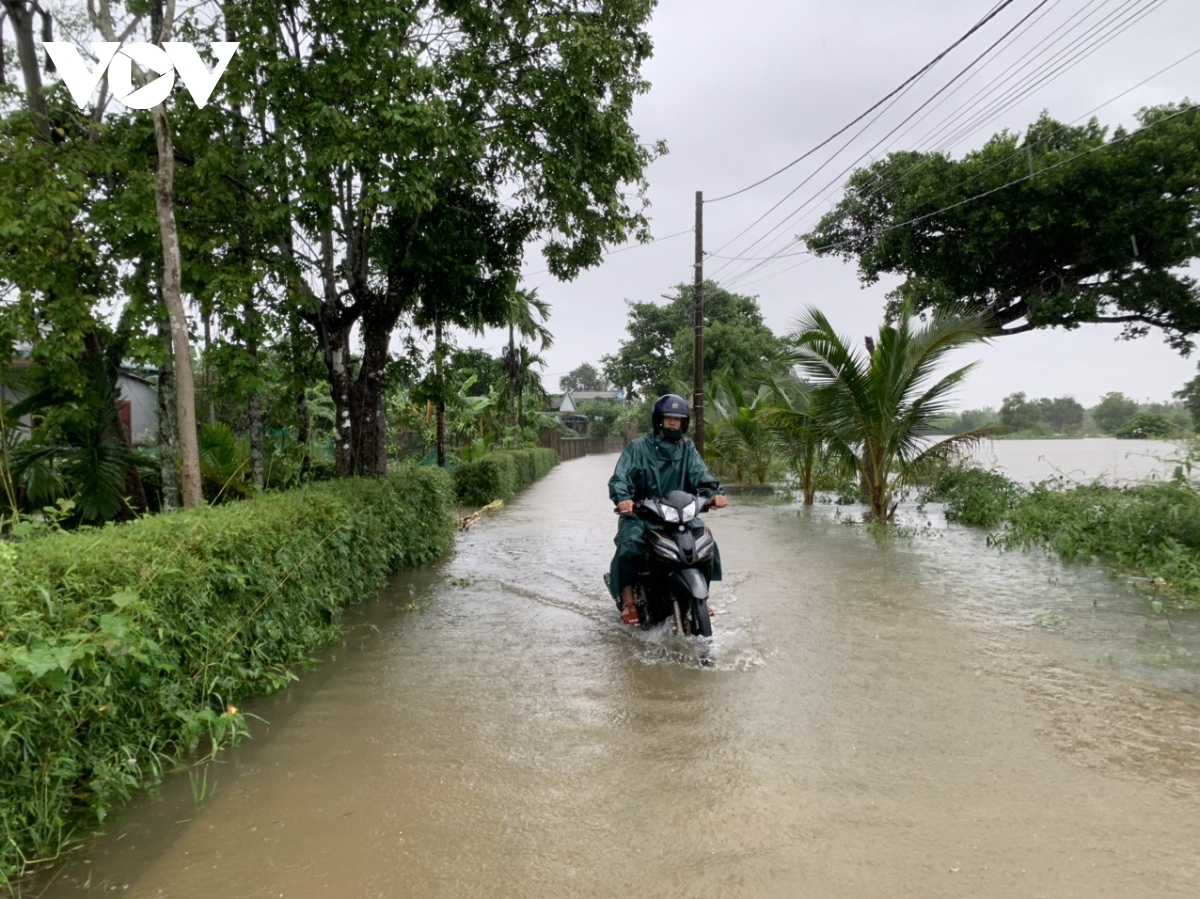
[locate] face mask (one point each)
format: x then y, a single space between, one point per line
671 436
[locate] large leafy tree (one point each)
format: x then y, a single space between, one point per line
658 356
87 200
1061 228
364 165
1114 411
57 265
582 377
1019 413
1064 413
381 116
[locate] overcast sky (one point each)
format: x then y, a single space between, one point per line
740 89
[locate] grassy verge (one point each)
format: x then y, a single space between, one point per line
123 648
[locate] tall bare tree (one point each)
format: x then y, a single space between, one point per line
162 24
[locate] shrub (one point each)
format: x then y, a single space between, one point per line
123 647
501 475
1150 529
974 496
1147 426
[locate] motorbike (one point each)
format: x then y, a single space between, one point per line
673 579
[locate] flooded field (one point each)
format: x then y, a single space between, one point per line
917 716
1108 458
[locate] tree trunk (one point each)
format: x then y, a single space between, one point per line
806 477
520 387
367 418
22 13
337 362
185 387
303 432
250 321
303 419
875 481
212 407
172 288
168 443
257 469
334 334
441 393
512 378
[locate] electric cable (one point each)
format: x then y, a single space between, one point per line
1056 66
916 77
838 177
957 77
1006 160
920 218
1108 36
994 114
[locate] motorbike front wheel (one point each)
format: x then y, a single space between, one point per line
701 622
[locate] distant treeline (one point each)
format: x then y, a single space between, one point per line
1116 415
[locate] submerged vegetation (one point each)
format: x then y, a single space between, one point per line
1149 530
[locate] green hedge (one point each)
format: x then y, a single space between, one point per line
501 475
124 647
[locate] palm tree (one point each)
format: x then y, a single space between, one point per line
523 380
740 440
79 450
520 319
876 408
793 415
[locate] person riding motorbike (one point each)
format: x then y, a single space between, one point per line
654 465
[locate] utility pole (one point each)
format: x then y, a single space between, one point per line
698 303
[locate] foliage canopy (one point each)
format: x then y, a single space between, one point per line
1058 229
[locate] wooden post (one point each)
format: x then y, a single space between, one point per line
698 303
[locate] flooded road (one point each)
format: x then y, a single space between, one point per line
910 717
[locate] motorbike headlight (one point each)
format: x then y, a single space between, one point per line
689 511
671 514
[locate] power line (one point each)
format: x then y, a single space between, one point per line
979 120
999 164
1051 69
916 77
1005 186
837 178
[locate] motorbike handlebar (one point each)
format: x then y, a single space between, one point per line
706 505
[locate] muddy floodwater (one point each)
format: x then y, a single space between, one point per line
907 717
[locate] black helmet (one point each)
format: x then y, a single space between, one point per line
670 404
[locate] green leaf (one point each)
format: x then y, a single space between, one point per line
124 598
43 659
114 625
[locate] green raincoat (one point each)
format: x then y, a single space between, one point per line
651 466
